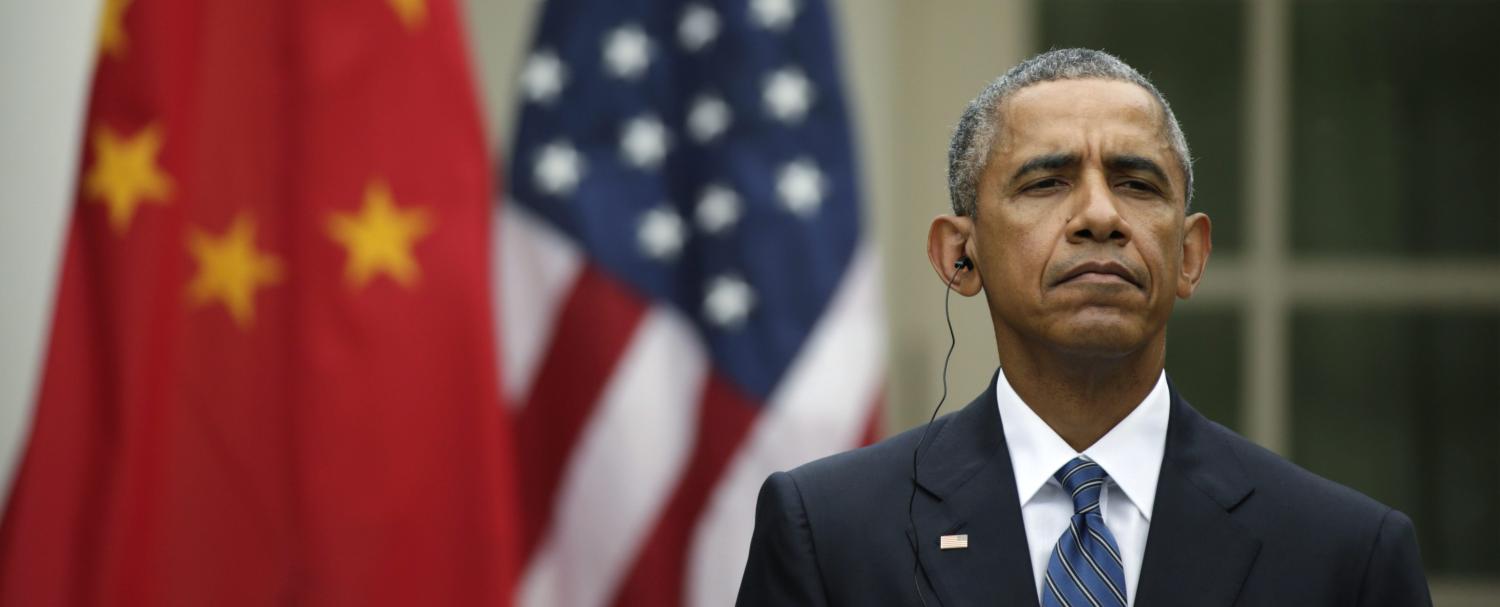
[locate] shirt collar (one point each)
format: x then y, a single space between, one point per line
1131 452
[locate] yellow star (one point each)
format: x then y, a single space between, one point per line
230 269
126 173
412 13
112 27
380 238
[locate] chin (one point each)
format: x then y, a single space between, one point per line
1098 337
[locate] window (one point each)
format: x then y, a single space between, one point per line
1349 153
1395 128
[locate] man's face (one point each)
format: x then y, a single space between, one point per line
1080 228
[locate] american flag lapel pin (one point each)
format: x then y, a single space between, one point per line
953 542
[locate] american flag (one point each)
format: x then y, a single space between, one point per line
687 300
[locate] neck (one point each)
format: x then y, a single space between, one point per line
1081 396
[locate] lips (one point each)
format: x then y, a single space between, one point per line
1099 271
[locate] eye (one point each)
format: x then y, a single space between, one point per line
1049 183
1140 186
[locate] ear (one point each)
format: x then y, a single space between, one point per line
948 240
1197 243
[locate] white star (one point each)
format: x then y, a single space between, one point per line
644 142
543 76
661 233
718 209
800 185
787 94
708 118
558 169
729 301
773 14
698 27
627 52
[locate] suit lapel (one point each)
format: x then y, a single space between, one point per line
969 488
1195 553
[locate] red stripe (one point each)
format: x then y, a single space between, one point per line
658 574
874 425
593 330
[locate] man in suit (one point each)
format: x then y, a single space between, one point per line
1080 477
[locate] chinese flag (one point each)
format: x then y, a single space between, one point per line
271 377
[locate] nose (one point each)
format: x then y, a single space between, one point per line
1096 217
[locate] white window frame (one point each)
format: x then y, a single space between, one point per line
1267 282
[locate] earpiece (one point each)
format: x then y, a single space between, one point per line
963 263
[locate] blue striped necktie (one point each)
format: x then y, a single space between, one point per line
1085 568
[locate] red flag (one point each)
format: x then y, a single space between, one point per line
271 378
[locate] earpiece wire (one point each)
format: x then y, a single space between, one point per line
916 567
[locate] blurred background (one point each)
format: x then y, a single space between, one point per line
1348 153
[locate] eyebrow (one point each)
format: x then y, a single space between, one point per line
1046 162
1118 163
1128 163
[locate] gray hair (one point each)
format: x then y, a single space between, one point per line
969 151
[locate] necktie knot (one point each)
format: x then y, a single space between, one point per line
1084 480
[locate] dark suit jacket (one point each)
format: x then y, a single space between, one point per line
1233 524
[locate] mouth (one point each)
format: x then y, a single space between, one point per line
1099 272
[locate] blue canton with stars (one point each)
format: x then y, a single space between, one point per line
700 153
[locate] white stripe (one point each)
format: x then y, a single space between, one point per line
820 408
625 467
535 267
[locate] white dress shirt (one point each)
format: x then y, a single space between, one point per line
1130 453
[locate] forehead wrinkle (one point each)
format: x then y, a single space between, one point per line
1103 128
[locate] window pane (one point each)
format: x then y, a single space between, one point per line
1203 358
1192 50
1405 407
1395 127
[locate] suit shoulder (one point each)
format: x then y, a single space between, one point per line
1331 540
1291 486
863 485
